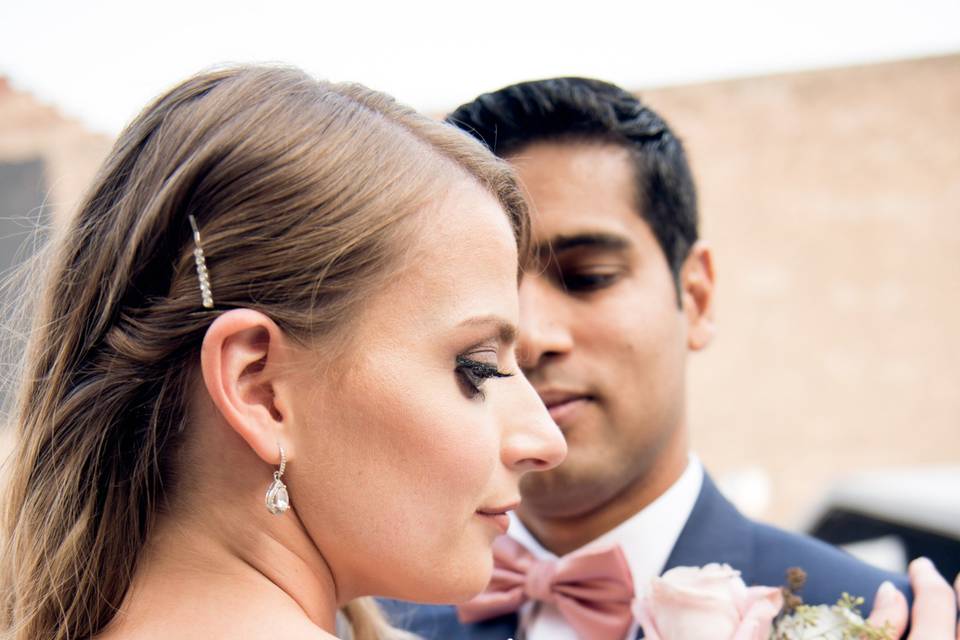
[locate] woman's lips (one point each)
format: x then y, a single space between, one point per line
499 520
497 516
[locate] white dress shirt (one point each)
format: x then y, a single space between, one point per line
647 539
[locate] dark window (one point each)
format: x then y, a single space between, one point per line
23 223
22 193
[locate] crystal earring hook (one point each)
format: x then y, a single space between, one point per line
278 500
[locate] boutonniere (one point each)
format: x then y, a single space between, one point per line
713 603
841 621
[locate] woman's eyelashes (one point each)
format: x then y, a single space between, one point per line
473 373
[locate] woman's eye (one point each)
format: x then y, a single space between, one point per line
473 373
586 281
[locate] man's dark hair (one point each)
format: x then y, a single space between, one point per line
582 109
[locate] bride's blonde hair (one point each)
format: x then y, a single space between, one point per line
302 189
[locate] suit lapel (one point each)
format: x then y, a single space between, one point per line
715 532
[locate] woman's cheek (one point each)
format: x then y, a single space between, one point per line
461 451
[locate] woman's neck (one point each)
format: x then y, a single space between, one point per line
208 572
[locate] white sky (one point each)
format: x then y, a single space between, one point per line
101 60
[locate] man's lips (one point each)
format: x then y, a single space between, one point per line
563 405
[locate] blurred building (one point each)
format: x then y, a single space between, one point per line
832 199
45 158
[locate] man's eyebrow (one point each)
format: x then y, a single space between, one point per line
506 332
599 240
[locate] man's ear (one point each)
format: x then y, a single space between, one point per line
242 352
697 287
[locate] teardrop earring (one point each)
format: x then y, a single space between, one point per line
278 500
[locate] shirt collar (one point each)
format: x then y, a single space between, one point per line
647 537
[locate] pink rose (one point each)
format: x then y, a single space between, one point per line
709 603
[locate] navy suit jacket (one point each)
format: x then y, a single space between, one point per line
715 532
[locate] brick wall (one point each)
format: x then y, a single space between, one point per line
833 201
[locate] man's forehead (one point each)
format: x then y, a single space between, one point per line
563 174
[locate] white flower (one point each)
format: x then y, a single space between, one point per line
818 623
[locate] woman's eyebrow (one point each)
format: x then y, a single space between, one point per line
506 331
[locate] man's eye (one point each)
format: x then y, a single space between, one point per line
587 281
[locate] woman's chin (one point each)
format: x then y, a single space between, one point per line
457 583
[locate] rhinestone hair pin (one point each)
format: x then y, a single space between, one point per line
206 294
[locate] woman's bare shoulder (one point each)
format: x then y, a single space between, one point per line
208 620
156 630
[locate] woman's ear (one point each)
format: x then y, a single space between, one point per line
243 352
698 284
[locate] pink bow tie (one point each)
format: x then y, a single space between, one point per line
592 589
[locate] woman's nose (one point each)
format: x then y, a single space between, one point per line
532 441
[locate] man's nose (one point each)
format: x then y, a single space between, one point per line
544 331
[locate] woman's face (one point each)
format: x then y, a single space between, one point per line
410 439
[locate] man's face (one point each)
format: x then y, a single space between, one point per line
602 337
